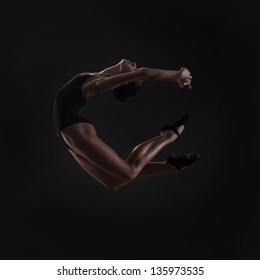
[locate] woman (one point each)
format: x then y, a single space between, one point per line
91 153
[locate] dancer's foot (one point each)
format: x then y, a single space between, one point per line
183 161
177 128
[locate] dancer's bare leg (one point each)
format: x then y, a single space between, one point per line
83 140
155 168
101 176
112 182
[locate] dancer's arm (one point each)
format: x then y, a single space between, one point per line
182 76
102 84
162 75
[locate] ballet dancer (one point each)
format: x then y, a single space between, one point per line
91 153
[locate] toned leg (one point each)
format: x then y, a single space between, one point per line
155 168
83 140
101 176
114 183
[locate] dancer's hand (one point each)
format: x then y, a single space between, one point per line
184 78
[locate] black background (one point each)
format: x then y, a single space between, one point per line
51 209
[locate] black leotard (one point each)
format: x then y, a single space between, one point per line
67 104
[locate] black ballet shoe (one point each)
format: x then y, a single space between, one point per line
182 161
174 127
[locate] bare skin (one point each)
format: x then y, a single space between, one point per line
96 157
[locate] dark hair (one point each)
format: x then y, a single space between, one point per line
123 92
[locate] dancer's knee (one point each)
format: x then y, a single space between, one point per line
123 179
126 173
133 171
